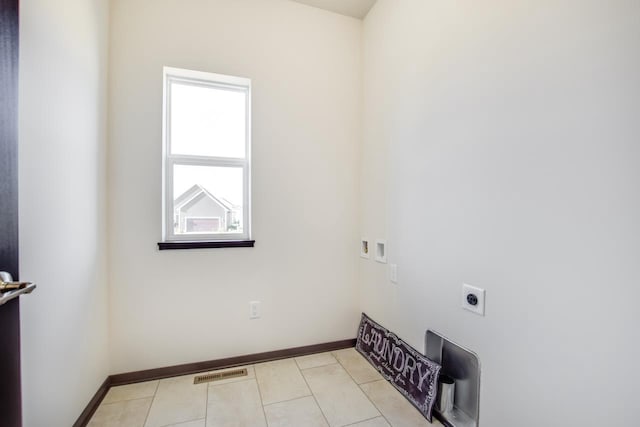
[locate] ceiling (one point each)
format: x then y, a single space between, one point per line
356 8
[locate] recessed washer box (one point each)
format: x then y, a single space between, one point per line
364 248
381 251
463 366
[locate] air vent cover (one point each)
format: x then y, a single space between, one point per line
217 376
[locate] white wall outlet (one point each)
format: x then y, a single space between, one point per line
473 299
393 273
381 251
254 309
364 248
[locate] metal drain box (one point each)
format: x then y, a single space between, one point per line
463 366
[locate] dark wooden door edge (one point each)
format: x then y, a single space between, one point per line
91 408
10 387
192 368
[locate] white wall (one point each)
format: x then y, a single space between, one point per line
501 148
171 307
63 63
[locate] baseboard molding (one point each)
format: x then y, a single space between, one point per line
88 412
193 368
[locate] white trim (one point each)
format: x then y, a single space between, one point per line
186 159
206 77
169 160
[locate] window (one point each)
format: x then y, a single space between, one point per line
206 159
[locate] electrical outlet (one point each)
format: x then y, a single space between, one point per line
473 299
393 273
254 309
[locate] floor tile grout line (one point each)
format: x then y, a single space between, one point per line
214 384
264 413
153 399
289 400
125 400
179 422
262 404
314 397
102 405
129 399
363 392
364 421
354 380
370 382
330 353
376 406
184 422
373 381
299 372
206 407
319 366
367 396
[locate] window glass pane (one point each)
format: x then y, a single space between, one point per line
207 199
207 121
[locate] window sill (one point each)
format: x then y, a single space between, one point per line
206 244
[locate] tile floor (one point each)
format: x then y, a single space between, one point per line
334 389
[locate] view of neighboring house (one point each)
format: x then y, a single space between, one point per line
198 211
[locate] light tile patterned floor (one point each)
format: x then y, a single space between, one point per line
333 389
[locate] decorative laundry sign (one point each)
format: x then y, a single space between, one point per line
415 376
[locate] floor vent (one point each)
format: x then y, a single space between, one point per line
217 376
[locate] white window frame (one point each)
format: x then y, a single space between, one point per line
219 81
